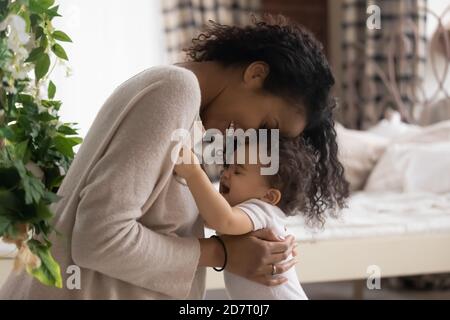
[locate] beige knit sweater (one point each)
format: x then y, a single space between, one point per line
125 220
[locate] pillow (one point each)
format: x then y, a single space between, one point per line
392 127
359 151
412 167
439 132
437 112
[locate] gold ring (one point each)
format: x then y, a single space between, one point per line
274 269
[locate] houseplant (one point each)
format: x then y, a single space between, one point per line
36 148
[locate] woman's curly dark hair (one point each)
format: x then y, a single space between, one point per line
295 179
299 73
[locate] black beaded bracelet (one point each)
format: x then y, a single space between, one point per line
225 253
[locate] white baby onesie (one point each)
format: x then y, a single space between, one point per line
264 215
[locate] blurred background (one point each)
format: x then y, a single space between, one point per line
112 41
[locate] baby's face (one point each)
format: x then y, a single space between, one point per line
242 182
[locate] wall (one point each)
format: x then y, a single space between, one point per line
112 41
310 13
334 41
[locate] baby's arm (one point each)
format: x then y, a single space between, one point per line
214 209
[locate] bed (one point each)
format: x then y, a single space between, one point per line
401 233
7 253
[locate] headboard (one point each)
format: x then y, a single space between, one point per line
431 96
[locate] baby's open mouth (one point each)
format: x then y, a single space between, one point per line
223 189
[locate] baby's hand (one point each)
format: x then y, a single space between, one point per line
189 164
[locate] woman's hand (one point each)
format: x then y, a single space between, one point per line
188 164
252 256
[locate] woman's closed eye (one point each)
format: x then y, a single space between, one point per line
267 126
238 169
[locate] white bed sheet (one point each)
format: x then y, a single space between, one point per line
381 214
7 250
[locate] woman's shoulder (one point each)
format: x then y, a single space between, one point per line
176 79
176 86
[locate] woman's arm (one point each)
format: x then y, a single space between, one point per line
107 235
251 255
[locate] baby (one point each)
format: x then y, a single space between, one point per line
248 201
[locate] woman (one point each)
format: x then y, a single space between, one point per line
129 224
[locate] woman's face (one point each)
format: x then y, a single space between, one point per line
244 103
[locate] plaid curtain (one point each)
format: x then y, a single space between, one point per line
185 18
383 67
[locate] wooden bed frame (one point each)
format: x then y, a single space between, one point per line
348 259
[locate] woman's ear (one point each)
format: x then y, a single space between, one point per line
272 196
255 74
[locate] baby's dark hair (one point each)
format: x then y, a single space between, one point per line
294 179
300 73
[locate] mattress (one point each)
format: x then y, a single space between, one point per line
381 214
7 250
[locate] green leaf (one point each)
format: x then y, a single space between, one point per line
49 273
45 117
6 132
75 140
44 212
52 197
39 32
9 204
35 54
61 36
21 150
42 66
33 187
40 6
51 104
59 51
67 130
25 99
44 42
47 3
53 12
64 145
51 90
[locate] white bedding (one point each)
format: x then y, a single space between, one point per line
7 250
380 214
